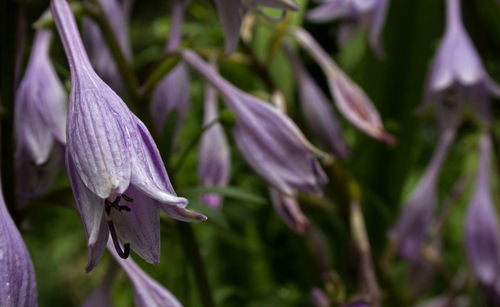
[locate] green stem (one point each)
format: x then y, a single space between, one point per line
165 65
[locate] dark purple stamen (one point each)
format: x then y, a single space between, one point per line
126 247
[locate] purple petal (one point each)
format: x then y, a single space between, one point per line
279 4
289 211
182 214
230 14
376 25
17 276
101 296
328 11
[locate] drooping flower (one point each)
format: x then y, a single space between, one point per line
231 12
172 93
350 99
147 292
413 223
101 296
457 74
268 139
214 155
39 119
289 211
97 48
112 158
481 225
318 112
356 15
17 276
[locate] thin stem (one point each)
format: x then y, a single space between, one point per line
192 251
165 66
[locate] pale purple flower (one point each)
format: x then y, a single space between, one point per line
17 276
319 298
350 99
481 225
289 211
101 296
418 213
317 110
97 48
147 291
457 74
268 139
231 13
214 158
356 15
39 119
111 157
172 93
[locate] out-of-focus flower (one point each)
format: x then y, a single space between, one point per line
457 74
289 211
17 276
172 93
101 296
147 292
350 99
356 15
357 303
446 300
97 48
214 155
231 11
111 157
414 221
39 119
268 139
481 225
319 298
317 110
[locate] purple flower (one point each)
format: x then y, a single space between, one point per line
231 11
414 221
172 93
17 277
268 140
147 292
317 110
101 296
457 74
97 48
319 298
289 211
356 15
214 155
481 225
115 170
39 118
350 99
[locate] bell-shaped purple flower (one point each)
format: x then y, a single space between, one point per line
172 93
457 74
39 119
481 225
17 276
414 221
115 169
97 48
231 12
317 110
147 292
214 158
268 139
356 15
289 211
350 99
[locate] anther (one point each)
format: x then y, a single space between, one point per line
129 199
126 247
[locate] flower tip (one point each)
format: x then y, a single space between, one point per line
388 138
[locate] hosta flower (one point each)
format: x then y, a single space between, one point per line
214 155
172 93
350 99
457 74
39 119
414 221
289 211
147 292
481 225
268 140
231 11
317 110
17 277
356 15
115 170
97 48
101 296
